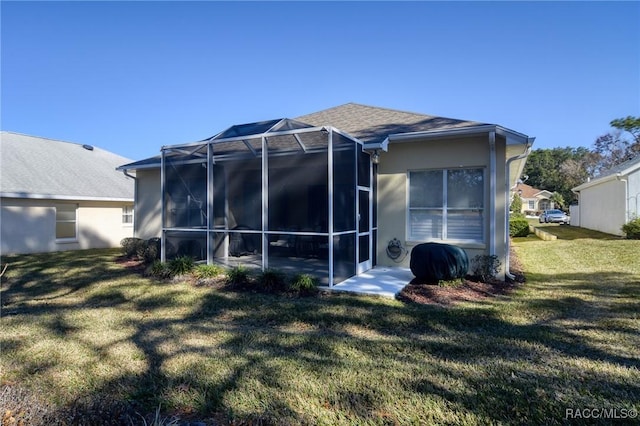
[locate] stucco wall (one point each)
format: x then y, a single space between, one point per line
148 204
436 154
29 226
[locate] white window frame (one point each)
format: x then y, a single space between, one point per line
127 213
532 205
444 209
74 221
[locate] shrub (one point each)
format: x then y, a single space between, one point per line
181 265
207 271
304 284
238 276
159 269
632 229
149 251
486 266
271 280
131 245
518 227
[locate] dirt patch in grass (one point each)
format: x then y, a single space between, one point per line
472 289
132 264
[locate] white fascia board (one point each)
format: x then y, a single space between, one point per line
140 167
431 134
513 137
597 181
61 197
384 145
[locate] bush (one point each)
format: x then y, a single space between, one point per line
632 229
304 284
131 246
485 266
238 276
207 271
159 269
181 265
149 251
518 227
271 280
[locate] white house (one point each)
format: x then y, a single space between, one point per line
57 196
610 200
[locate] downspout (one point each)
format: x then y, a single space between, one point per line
492 191
508 188
626 197
135 193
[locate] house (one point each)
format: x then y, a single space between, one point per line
610 200
332 193
534 200
57 195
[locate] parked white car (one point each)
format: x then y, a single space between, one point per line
554 216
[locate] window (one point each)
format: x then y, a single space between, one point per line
66 221
446 205
532 205
127 215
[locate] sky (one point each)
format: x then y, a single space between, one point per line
131 77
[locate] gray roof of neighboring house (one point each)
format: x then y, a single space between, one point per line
373 124
35 167
625 168
622 167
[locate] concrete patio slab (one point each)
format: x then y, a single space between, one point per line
379 281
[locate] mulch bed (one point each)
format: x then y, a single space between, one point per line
472 289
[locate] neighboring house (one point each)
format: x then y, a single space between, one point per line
57 195
610 200
534 200
333 191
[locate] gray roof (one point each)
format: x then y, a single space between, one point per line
369 124
35 167
373 124
622 167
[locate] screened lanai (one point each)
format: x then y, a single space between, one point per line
278 194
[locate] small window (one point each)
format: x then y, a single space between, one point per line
532 205
66 222
127 215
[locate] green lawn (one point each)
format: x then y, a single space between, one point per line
81 336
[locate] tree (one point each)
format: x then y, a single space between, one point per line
629 124
559 169
612 148
516 204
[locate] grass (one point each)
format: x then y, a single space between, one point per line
81 331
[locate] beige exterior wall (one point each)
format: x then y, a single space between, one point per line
437 154
148 204
29 226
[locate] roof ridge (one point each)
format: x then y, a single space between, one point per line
397 111
48 139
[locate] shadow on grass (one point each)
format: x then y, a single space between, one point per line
269 359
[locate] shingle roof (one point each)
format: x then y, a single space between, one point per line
622 167
35 167
374 124
527 190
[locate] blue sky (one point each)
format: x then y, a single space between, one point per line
130 77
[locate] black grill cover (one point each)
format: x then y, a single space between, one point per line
432 262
